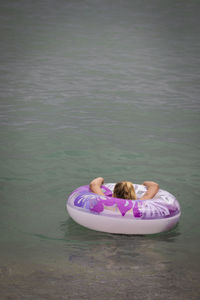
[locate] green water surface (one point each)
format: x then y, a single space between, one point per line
97 88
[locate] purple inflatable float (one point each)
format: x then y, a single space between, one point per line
113 215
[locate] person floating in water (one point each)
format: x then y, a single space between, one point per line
125 189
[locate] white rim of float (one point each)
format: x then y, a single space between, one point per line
122 225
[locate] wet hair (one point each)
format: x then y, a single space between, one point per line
124 190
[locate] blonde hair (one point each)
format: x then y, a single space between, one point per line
124 190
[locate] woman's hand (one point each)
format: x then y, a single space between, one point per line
152 189
95 185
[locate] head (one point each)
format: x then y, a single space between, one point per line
124 190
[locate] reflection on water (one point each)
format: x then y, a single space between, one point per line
132 262
115 251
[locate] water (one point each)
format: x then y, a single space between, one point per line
97 88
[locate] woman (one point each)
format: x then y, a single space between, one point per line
125 189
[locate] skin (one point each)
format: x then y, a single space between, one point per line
152 188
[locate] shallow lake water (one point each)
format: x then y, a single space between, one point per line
97 88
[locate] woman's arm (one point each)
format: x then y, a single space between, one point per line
95 185
152 189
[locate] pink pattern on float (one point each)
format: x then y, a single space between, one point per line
163 205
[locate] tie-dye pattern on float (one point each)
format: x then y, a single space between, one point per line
114 215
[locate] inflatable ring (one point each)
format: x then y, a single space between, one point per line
114 215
